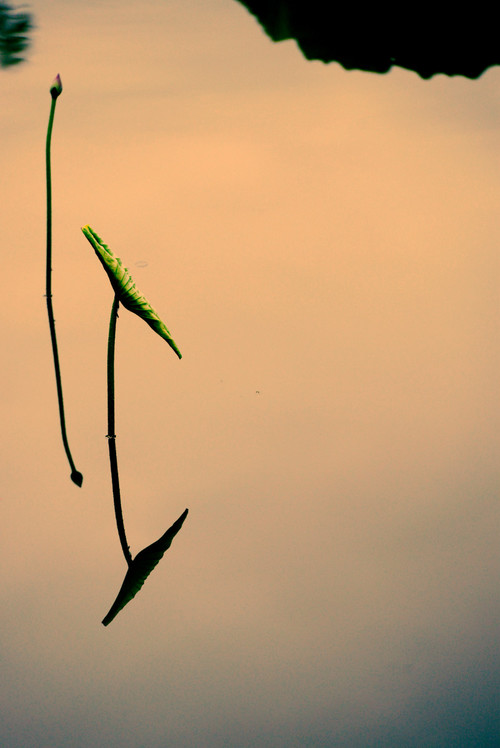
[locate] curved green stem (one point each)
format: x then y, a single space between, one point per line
111 436
76 476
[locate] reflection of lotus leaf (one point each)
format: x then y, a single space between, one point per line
140 568
427 38
125 288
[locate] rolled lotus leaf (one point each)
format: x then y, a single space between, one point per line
125 288
141 567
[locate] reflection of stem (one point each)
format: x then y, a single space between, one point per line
76 476
113 462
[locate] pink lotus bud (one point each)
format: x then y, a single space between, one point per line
56 87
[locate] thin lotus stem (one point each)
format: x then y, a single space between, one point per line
76 476
111 436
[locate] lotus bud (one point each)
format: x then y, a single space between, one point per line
56 87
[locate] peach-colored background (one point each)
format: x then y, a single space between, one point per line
323 246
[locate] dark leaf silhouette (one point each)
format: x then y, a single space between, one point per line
140 568
428 38
14 27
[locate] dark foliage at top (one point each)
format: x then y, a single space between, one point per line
14 27
428 38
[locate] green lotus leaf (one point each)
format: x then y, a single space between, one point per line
14 29
141 567
125 288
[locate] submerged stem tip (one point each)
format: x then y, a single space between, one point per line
56 87
77 478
